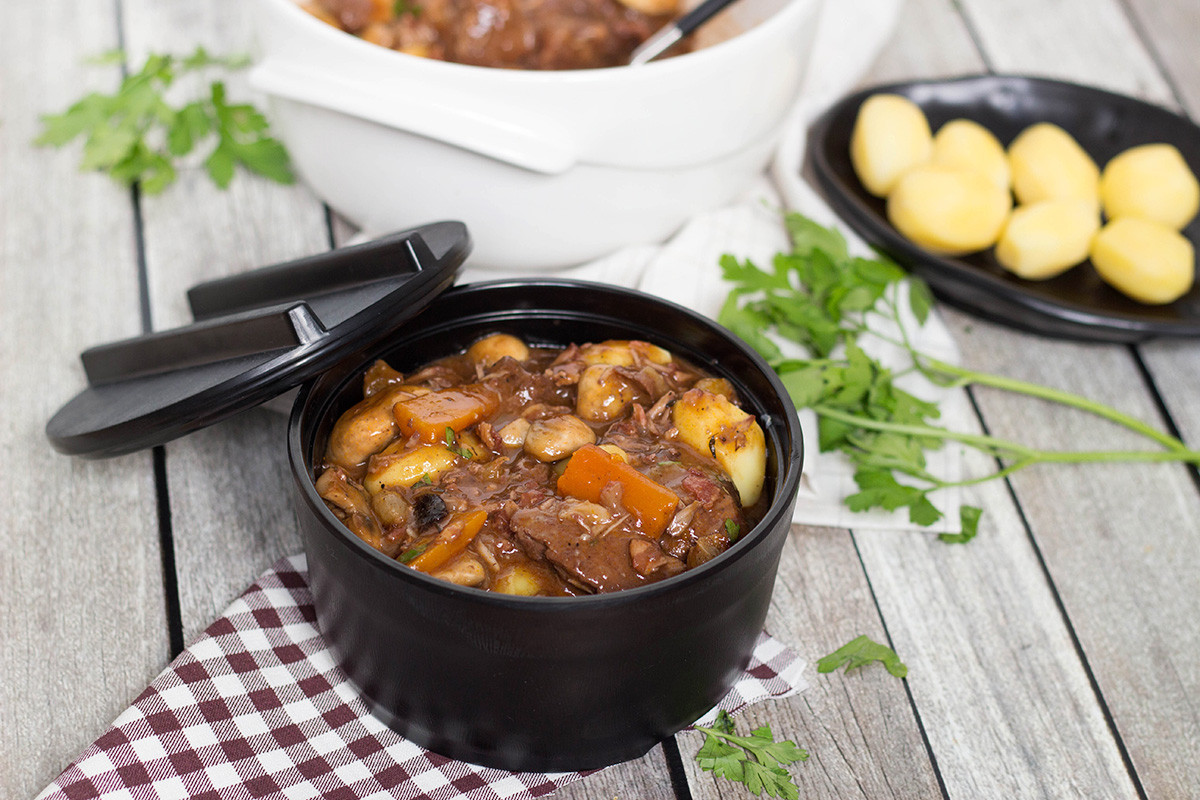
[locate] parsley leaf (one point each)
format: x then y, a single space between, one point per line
756 760
136 136
860 651
454 447
969 522
411 553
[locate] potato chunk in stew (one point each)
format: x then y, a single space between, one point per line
492 468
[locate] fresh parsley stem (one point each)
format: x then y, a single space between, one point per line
935 368
1024 455
1056 396
979 441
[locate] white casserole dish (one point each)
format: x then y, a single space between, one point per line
547 169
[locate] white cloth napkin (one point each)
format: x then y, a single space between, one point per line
685 268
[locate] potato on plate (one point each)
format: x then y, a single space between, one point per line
967 144
1047 238
1151 181
948 210
1145 260
1048 164
890 136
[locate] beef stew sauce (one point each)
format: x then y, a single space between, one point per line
511 34
549 471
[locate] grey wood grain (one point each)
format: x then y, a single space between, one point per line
1122 553
231 512
1169 32
1174 367
859 730
1119 544
1003 697
645 778
81 597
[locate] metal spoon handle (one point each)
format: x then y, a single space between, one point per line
668 35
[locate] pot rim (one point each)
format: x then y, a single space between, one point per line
315 396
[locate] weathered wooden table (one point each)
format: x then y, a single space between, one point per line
1057 655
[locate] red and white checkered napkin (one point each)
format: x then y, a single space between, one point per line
256 707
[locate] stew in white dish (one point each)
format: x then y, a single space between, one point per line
513 34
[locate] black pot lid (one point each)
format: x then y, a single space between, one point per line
256 335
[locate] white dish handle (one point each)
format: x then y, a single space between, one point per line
422 113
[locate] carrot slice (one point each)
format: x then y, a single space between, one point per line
453 539
429 415
591 468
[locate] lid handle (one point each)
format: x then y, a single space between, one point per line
248 334
381 259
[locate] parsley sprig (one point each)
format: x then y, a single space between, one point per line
859 651
137 136
828 303
756 760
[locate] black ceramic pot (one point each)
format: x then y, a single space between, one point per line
544 684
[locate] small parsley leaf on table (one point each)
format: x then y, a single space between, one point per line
757 760
859 651
136 136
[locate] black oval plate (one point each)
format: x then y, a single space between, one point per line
1076 304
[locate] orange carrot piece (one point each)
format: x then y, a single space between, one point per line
590 469
453 539
429 415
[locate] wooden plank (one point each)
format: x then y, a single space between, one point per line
1118 543
1006 705
645 778
1122 552
859 729
81 597
1003 698
1074 40
1170 32
230 490
1174 366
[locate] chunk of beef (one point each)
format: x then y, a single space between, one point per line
585 547
699 531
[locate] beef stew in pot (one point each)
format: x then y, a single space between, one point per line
548 471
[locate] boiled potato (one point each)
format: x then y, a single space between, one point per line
890 136
966 144
554 439
519 580
603 394
465 571
1146 260
368 427
1152 182
1048 164
619 353
948 210
711 424
490 349
389 470
1046 238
